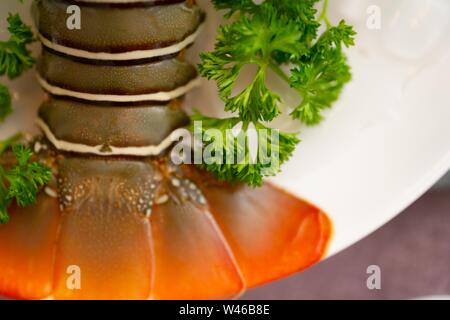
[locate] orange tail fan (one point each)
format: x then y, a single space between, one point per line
214 245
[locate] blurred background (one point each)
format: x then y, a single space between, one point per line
412 252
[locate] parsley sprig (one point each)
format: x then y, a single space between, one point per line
275 35
320 76
229 152
21 182
15 58
23 177
5 102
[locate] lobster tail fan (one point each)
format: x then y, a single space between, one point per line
192 258
149 236
104 234
27 249
271 233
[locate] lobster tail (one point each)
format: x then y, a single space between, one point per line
120 221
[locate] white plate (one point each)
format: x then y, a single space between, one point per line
382 145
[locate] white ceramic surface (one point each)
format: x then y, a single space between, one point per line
382 145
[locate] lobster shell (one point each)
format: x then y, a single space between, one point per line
135 225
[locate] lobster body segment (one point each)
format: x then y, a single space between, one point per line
115 130
119 31
135 79
119 213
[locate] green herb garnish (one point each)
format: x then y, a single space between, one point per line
228 154
23 181
15 58
5 102
275 35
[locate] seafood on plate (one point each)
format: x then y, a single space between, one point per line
132 223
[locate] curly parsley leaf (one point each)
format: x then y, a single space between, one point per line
26 178
5 102
15 57
269 36
321 76
21 182
234 6
238 152
253 39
